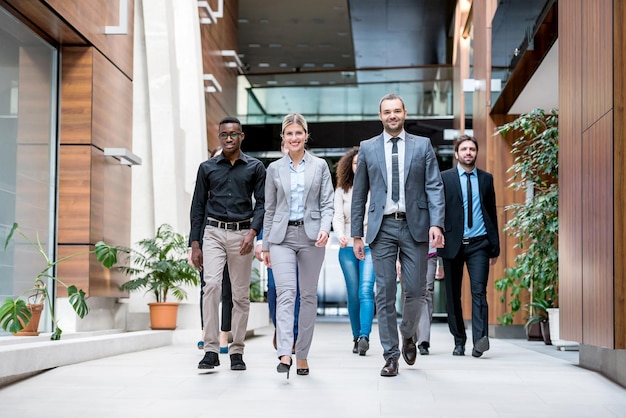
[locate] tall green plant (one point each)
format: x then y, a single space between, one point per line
534 224
159 265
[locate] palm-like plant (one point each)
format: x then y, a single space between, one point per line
160 266
15 313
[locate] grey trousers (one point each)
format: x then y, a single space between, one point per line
296 252
394 241
425 310
221 246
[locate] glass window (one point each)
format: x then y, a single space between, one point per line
28 148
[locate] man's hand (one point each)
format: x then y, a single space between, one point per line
247 243
196 256
359 248
436 237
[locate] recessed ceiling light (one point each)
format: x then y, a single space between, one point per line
283 65
275 45
263 64
346 55
314 83
272 82
328 65
254 45
241 20
342 33
264 21
308 65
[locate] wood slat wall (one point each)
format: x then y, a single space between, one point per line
619 175
592 195
570 161
216 37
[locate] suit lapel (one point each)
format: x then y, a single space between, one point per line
285 177
309 171
409 149
379 149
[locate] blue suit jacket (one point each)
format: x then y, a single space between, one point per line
423 188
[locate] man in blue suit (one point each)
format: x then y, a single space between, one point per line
471 233
400 173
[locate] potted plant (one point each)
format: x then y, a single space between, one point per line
21 314
534 223
160 266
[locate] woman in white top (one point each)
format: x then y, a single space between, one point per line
359 274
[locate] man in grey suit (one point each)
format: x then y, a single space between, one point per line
406 213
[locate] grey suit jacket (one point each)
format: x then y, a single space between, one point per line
423 188
318 200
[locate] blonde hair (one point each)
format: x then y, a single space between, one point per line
296 118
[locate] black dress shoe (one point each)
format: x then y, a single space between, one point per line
390 368
209 361
423 347
480 346
409 351
459 350
236 362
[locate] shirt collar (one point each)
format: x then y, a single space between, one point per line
388 137
462 171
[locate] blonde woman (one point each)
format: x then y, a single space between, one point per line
298 217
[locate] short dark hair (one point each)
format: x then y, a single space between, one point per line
229 119
464 138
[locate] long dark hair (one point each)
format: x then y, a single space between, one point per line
345 175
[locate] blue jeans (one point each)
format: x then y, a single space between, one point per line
271 302
360 278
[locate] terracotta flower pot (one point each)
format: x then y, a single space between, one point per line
163 315
32 327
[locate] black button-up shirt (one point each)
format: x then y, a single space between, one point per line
224 192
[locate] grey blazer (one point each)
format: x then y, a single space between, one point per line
423 188
318 199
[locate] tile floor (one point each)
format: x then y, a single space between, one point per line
516 378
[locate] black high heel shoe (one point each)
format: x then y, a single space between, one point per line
284 367
303 371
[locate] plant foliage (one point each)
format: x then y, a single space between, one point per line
534 224
14 312
160 266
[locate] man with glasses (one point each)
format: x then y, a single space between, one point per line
223 201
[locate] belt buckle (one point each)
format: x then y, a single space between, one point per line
465 241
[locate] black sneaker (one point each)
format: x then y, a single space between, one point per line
236 362
209 361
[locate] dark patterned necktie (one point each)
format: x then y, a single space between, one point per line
469 200
395 171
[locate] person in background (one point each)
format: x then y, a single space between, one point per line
298 217
399 175
472 240
358 274
223 201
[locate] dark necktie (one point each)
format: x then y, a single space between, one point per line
469 200
395 171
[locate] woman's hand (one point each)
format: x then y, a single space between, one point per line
265 256
343 241
322 239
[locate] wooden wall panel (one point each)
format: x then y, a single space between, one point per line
112 105
597 59
74 194
570 178
214 38
76 94
619 167
597 242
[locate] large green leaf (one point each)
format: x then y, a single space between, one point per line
11 312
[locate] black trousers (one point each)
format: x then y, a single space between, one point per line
476 257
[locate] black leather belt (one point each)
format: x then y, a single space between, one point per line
231 226
468 241
296 223
398 216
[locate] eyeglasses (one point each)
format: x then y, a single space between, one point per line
232 135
